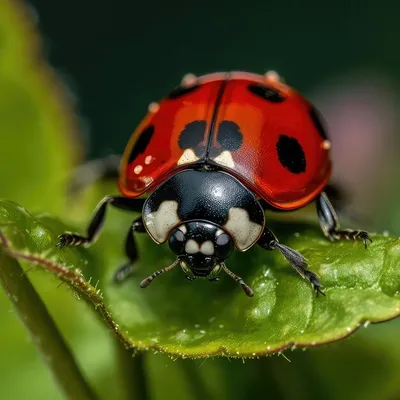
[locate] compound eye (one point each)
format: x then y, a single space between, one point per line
223 239
177 241
223 246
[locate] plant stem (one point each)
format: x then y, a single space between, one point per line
45 334
133 374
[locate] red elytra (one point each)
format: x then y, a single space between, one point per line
280 149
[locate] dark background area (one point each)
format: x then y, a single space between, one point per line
118 56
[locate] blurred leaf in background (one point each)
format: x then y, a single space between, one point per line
38 147
37 126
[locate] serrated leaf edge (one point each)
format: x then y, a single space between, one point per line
94 297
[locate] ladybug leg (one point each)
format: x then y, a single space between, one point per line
269 241
94 171
330 223
131 251
97 221
339 199
337 195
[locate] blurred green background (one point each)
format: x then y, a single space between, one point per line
114 58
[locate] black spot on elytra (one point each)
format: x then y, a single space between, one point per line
192 135
229 135
181 91
266 93
291 154
141 144
317 119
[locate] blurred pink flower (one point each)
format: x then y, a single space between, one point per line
361 114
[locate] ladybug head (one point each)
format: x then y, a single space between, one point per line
201 248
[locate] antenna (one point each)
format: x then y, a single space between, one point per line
146 282
247 289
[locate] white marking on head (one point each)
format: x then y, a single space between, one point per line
148 160
138 169
153 107
243 231
207 248
225 158
160 223
192 247
187 157
189 80
326 145
183 229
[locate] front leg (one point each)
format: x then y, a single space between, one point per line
330 223
97 221
269 241
131 251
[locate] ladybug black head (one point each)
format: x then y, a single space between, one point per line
201 247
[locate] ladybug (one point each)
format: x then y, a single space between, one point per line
208 160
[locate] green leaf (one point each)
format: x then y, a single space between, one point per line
344 370
199 319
